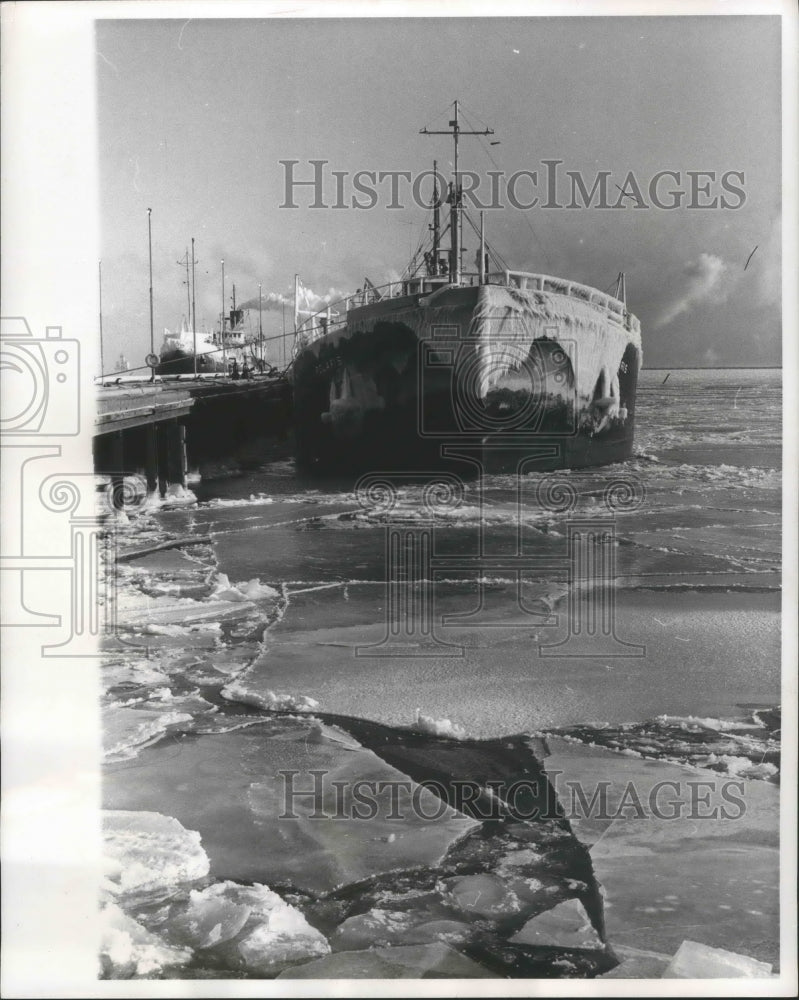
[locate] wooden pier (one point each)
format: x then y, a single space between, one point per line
161 427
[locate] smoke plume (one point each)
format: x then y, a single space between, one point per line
308 300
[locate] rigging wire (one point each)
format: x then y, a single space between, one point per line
490 155
494 254
438 114
413 266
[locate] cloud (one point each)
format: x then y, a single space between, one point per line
702 281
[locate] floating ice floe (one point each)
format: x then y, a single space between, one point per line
695 722
252 590
699 961
259 929
382 927
129 950
145 851
138 672
484 895
138 611
742 767
566 925
282 933
126 729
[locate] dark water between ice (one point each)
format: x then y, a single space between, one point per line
694 522
696 578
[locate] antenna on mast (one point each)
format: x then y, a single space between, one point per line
456 223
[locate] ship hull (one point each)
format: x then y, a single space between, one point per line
179 362
482 378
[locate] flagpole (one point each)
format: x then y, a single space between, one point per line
193 309
100 280
150 245
260 329
224 345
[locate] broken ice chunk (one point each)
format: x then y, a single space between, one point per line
270 701
127 730
146 851
365 930
254 590
210 918
482 895
636 963
225 591
445 931
127 949
699 961
280 934
566 925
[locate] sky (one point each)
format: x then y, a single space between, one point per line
196 115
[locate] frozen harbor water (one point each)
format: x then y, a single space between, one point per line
284 608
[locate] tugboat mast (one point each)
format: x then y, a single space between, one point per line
456 222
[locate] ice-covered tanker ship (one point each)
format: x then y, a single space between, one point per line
508 369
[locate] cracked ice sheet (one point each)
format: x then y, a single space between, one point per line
502 685
756 548
715 881
242 798
127 730
429 961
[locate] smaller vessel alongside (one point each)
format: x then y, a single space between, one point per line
231 349
187 352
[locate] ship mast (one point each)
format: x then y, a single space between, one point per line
184 262
456 210
432 268
260 326
193 309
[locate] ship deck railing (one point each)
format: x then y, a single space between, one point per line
334 316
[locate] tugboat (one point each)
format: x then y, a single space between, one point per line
230 349
509 370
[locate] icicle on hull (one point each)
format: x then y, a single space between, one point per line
544 375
